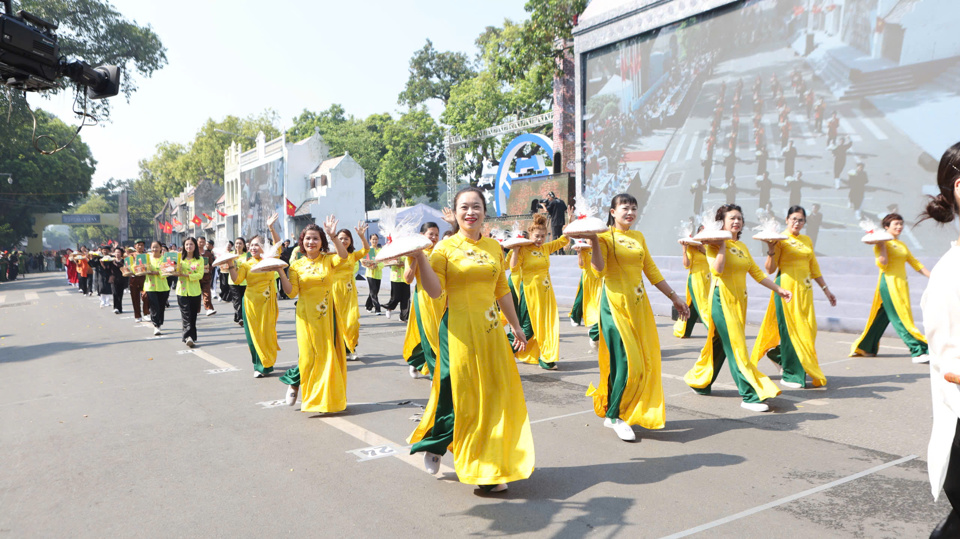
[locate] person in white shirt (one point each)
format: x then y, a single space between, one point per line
941 318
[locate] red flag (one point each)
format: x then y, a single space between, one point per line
177 223
207 216
221 213
291 209
167 228
196 220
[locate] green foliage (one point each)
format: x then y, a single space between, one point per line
550 24
95 32
174 165
41 183
433 74
413 164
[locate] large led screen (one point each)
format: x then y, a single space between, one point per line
842 107
261 196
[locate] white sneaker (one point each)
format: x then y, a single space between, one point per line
502 487
190 343
137 320
415 372
352 357
624 431
594 344
791 385
925 358
211 312
574 323
156 331
755 406
257 374
292 395
388 313
116 311
431 462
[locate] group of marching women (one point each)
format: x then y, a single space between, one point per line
464 299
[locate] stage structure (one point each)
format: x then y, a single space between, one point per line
451 142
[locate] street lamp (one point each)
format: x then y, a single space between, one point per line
234 134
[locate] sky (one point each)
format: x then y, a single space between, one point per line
242 57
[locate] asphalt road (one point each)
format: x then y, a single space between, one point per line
106 431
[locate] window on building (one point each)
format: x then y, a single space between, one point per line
324 182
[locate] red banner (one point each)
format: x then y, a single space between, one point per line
208 218
291 209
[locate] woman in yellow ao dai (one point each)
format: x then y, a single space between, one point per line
421 342
321 372
788 333
891 301
478 409
630 390
533 262
730 261
345 289
260 309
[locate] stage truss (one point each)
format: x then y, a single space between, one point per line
451 142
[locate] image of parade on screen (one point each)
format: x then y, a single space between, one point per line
261 196
833 106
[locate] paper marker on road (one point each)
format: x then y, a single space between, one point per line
375 452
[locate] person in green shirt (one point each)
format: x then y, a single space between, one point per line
190 270
156 287
373 272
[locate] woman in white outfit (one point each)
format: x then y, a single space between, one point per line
941 319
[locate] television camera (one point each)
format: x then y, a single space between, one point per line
30 58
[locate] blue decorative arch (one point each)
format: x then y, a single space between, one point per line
503 179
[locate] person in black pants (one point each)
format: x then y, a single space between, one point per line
399 293
373 273
557 210
117 281
189 293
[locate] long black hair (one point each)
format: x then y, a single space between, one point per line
349 235
183 248
622 198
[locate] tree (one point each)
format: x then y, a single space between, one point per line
413 164
326 121
95 235
551 24
41 183
174 165
433 75
95 32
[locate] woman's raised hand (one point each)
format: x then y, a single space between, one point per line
330 225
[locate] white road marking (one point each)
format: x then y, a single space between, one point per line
561 416
3 299
374 452
837 361
846 128
272 404
872 127
901 348
212 359
63 293
376 440
788 499
219 371
30 296
693 146
676 153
